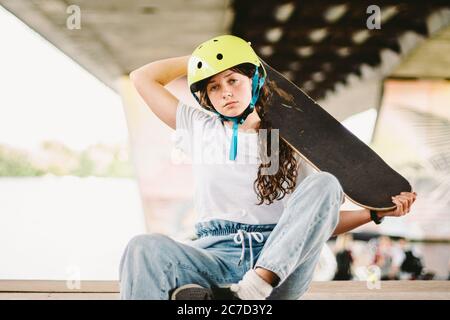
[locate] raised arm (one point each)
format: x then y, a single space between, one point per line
150 79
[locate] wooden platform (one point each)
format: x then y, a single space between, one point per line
109 290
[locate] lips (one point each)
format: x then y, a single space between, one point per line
229 103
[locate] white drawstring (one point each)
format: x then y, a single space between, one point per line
239 238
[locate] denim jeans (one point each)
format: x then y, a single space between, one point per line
154 264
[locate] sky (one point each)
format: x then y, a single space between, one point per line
47 96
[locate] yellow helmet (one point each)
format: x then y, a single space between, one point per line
219 54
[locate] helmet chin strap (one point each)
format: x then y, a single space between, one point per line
257 83
237 120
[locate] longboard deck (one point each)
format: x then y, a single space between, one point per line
328 146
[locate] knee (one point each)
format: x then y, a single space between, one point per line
332 188
321 182
325 179
148 244
327 183
321 186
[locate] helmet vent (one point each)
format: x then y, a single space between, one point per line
219 56
199 65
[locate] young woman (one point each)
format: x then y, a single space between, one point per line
260 230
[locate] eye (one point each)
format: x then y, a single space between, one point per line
234 80
212 88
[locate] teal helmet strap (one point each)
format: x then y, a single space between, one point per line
257 83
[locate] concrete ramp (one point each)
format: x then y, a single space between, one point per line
326 290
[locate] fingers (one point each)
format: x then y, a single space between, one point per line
406 201
403 201
410 195
411 198
399 210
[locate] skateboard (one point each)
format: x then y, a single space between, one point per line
327 145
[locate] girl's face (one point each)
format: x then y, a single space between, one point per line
230 92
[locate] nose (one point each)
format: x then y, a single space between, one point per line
227 93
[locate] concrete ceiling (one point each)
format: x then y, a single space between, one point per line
318 44
430 59
117 36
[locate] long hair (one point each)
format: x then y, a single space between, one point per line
273 187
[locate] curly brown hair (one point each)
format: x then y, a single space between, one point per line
268 187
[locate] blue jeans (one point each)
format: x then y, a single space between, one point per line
154 264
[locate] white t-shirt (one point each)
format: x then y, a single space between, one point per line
223 187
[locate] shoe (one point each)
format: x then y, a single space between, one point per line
197 292
224 293
191 292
